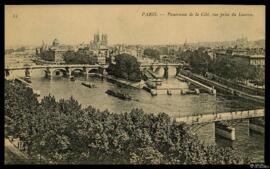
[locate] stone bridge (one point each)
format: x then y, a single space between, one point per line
68 70
155 67
52 70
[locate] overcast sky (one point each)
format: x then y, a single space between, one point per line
73 24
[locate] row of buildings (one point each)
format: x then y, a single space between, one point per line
97 47
249 56
55 52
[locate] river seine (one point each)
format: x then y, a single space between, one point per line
175 105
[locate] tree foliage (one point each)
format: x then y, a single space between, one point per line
71 57
126 67
47 55
152 53
232 70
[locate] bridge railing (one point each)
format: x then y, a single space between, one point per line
52 66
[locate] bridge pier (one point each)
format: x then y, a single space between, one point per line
166 72
257 125
68 72
48 73
224 131
177 70
85 71
151 68
27 73
101 71
7 72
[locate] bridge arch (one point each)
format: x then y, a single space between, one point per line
93 70
156 69
58 72
186 68
76 71
160 70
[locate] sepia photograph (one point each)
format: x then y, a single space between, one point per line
134 84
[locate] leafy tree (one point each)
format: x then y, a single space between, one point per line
199 61
225 67
126 67
148 155
71 57
47 55
152 53
257 74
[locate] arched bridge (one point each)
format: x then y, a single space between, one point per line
50 70
155 67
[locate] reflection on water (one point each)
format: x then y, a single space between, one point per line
174 105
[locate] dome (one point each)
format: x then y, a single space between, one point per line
56 42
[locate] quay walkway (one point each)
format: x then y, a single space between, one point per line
226 89
198 84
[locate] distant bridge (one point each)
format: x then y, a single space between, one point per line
84 68
50 70
155 67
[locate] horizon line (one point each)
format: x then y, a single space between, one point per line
144 44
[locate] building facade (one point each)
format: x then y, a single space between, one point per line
99 47
254 57
54 52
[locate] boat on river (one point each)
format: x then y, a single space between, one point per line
90 85
119 94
